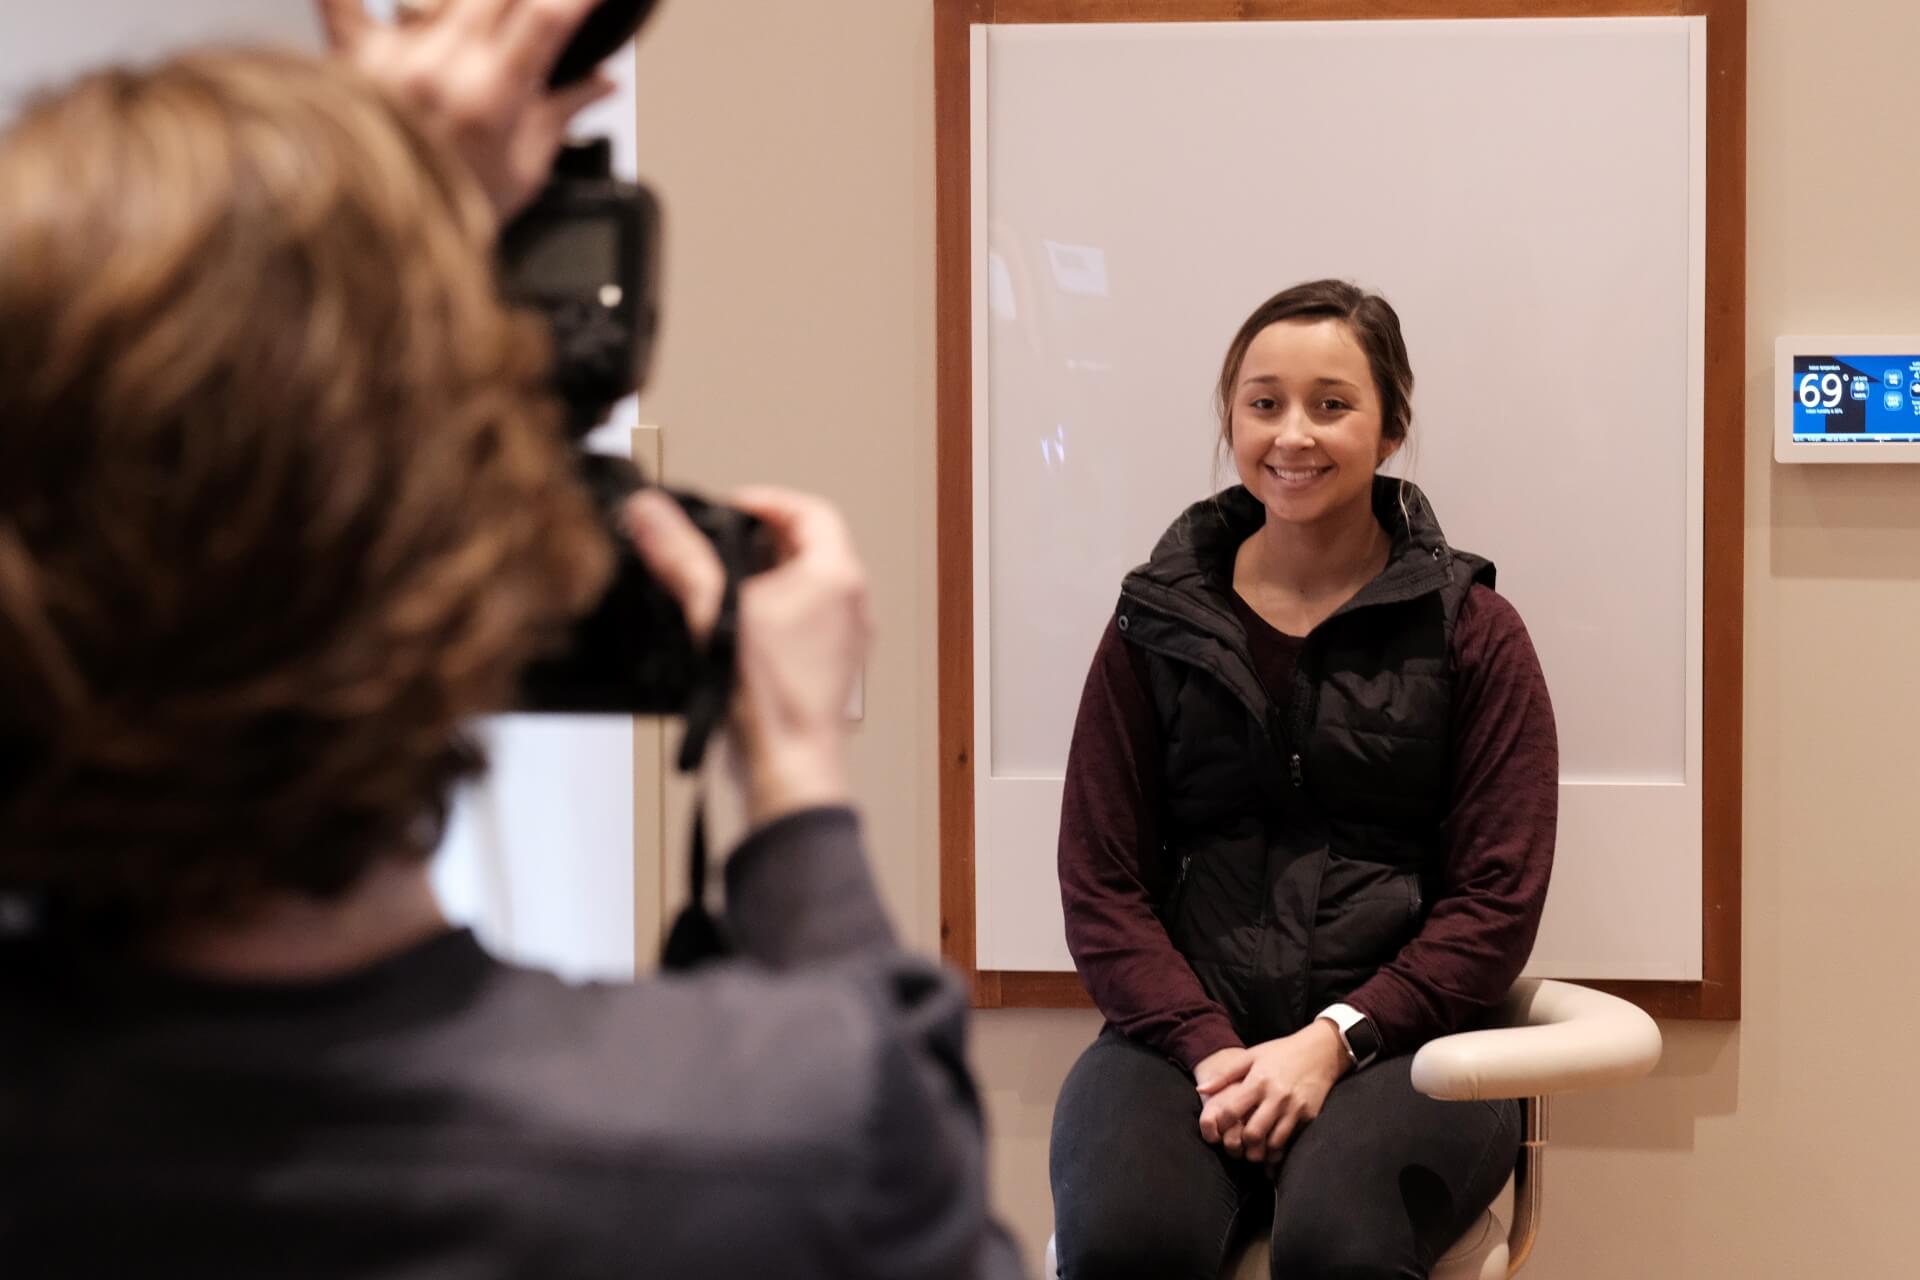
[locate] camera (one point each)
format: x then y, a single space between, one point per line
585 256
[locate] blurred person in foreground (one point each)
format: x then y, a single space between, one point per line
284 504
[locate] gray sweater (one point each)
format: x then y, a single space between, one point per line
802 1111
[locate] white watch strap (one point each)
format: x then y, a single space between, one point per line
1343 1016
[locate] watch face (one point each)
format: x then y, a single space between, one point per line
1363 1040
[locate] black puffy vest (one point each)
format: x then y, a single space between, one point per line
1304 830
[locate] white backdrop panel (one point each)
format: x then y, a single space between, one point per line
1529 196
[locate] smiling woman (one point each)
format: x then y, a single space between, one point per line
1307 826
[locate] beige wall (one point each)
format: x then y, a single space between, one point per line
794 144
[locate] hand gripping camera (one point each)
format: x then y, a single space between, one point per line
585 255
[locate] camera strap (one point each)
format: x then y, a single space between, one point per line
712 688
697 937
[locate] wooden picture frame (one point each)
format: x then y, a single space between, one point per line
1717 994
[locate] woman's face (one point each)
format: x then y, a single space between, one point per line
1306 421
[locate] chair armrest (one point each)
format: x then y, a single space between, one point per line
1554 1037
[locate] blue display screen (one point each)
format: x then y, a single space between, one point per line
1842 399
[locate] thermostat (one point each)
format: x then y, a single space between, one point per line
1846 399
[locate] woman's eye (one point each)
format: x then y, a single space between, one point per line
1264 404
1333 406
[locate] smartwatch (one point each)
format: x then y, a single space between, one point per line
1357 1032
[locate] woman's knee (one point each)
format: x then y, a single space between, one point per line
1135 1190
1116 1221
1124 1108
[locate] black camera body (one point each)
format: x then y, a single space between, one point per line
585 255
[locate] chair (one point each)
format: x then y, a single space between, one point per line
1549 1037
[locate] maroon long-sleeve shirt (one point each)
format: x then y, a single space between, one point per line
1498 839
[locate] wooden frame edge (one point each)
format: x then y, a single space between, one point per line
1061 989
953 285
1089 11
1723 603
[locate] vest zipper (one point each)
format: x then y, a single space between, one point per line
1179 887
1300 711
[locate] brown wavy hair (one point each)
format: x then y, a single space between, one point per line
283 501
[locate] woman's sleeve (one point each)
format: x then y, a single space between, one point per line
1113 868
1499 839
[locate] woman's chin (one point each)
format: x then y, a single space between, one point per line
1292 506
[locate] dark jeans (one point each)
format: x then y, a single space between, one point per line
1377 1188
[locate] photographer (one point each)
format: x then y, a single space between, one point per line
284 503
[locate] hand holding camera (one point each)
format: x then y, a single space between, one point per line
804 629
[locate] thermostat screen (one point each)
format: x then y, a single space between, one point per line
1845 399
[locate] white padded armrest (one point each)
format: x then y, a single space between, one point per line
1557 1037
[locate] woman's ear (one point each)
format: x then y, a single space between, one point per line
1388 448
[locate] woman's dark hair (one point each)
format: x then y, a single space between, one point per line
283 499
1375 326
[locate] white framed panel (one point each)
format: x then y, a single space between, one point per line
1549 268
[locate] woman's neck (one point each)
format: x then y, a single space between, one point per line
1328 560
290 938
